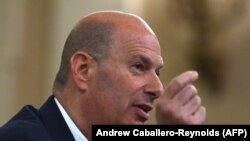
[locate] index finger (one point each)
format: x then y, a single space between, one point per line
179 82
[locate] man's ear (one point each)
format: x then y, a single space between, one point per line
80 63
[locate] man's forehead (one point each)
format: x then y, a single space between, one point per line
136 37
139 43
155 59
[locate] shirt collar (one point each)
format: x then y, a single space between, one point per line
77 134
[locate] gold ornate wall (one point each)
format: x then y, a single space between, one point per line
25 43
211 36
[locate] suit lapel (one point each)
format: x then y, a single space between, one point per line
54 121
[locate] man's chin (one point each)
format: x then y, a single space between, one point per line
135 122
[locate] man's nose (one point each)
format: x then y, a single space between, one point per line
154 86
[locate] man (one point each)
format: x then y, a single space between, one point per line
109 74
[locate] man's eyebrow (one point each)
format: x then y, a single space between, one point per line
148 61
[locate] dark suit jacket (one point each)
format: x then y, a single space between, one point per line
30 124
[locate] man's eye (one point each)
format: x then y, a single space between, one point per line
157 72
138 68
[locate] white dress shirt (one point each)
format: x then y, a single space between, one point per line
77 134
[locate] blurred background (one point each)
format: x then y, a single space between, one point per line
211 36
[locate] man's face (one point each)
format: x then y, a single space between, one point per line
127 83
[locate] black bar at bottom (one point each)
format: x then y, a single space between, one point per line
164 132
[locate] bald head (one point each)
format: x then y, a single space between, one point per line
119 19
94 34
